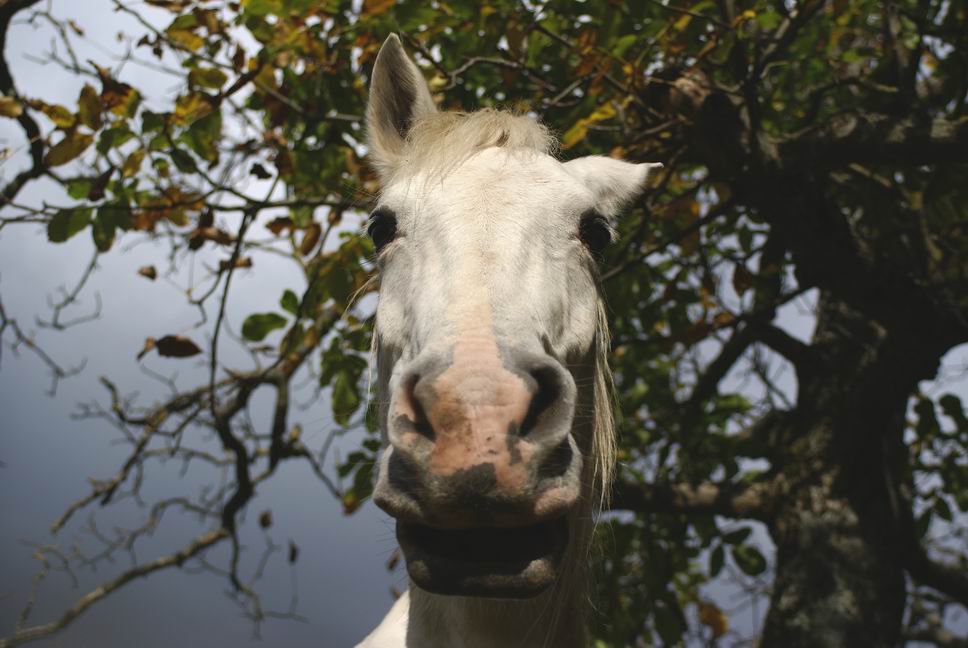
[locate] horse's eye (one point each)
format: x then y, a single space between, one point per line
383 227
594 231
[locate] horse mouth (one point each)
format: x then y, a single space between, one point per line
516 562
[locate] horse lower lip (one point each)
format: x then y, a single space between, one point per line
486 545
508 563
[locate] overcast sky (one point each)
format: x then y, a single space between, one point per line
343 586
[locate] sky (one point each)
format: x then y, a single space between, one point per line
47 455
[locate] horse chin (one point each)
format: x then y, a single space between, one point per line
489 562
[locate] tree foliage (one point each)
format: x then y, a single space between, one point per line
811 147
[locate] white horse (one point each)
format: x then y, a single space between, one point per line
490 343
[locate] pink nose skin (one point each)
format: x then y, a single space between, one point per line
481 438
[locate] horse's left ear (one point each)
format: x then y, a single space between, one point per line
613 182
398 96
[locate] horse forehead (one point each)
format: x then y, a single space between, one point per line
492 183
507 175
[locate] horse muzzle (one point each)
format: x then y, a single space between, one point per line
481 472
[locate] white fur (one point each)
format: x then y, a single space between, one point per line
488 218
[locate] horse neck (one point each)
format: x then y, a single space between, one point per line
552 619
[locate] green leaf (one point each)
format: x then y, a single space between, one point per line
622 45
89 107
942 509
113 138
66 223
301 216
183 161
749 559
109 219
261 7
208 78
204 135
927 424
152 122
346 398
79 188
68 148
953 409
257 326
185 21
716 559
769 20
290 302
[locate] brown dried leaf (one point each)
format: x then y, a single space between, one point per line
99 185
176 346
241 262
116 97
714 618
149 272
265 519
278 225
310 239
742 279
260 172
374 7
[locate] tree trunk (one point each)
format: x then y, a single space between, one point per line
839 526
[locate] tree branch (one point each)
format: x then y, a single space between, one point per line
8 8
945 578
785 344
732 500
866 138
176 559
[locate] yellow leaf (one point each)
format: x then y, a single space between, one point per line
749 14
133 163
437 82
68 148
579 130
714 618
89 107
574 134
190 107
58 114
187 39
120 98
602 113
10 107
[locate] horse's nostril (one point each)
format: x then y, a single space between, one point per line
421 424
558 462
548 391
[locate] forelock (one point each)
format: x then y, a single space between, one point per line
440 141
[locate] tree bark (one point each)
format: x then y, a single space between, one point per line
840 530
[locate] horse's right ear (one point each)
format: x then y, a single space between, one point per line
398 96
